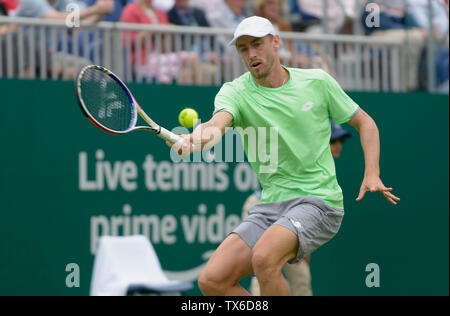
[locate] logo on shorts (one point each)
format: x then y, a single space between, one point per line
307 106
296 224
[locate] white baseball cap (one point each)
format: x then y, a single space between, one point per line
254 26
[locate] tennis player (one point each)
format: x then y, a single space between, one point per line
302 204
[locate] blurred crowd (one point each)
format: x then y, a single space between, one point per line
403 19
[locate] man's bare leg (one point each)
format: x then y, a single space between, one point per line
276 247
229 263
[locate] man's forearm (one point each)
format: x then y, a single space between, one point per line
370 141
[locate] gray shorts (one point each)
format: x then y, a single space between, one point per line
314 222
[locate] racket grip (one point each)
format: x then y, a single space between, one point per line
169 136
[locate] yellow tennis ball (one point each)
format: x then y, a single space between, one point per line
188 117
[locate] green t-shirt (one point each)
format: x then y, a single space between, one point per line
300 111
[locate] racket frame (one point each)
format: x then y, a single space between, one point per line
135 109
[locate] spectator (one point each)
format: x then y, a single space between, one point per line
272 10
210 7
53 9
57 9
119 5
161 66
418 11
338 11
3 9
163 5
7 7
396 22
142 12
393 17
441 69
299 21
233 13
183 14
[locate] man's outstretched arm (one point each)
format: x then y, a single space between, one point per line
370 141
205 135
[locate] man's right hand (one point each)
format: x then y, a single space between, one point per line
204 136
183 148
104 7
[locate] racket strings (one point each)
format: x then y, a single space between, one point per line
106 101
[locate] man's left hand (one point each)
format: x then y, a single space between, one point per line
374 184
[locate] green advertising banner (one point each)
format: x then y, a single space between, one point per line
64 184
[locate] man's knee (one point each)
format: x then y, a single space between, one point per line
265 265
210 284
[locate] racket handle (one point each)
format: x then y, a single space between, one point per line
169 136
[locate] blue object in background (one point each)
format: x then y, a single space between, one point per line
118 8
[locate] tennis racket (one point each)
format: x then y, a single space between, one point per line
108 104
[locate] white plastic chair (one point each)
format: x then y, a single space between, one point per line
130 266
